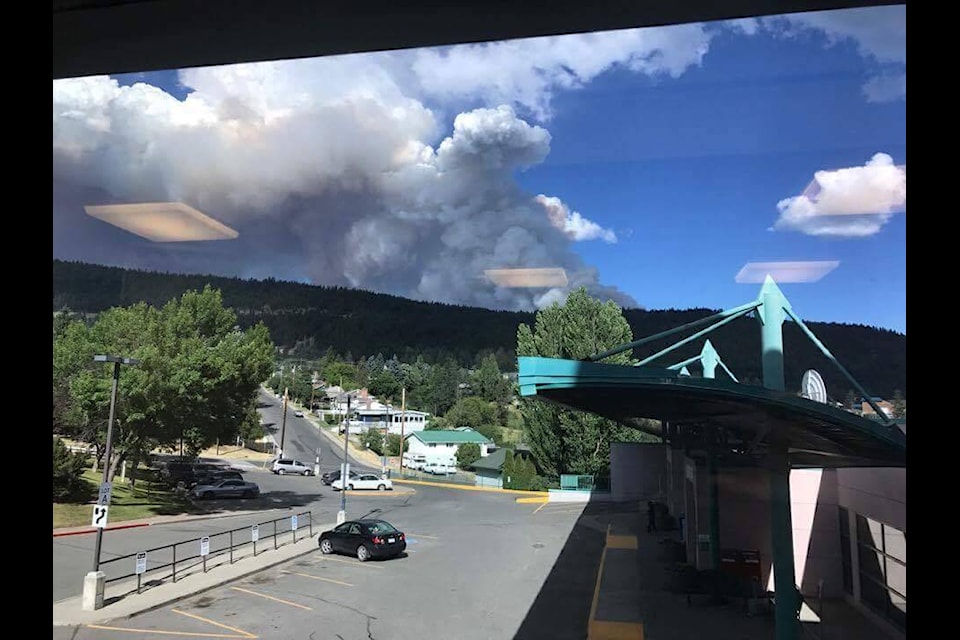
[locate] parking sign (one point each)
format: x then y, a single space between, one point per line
255 532
142 562
205 545
293 522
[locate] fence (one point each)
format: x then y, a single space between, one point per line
459 477
180 558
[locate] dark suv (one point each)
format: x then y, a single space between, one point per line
330 476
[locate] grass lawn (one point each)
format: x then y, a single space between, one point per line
147 499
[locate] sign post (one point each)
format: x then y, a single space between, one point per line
255 535
293 526
204 550
141 567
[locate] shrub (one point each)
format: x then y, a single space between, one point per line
467 454
68 468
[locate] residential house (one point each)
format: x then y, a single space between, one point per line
488 471
444 443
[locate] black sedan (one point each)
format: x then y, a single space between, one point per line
364 539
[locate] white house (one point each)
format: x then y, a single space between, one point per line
444 443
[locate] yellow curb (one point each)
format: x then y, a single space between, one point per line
536 500
466 487
381 494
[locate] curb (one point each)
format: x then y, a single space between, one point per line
466 487
309 548
57 534
174 520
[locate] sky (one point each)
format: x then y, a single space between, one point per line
668 167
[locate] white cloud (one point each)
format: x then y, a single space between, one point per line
528 72
572 223
852 202
879 33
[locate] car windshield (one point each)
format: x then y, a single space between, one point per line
380 527
597 266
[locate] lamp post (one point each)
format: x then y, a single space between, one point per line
95 581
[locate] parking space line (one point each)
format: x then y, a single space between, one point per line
420 535
350 562
187 634
216 624
263 595
307 575
541 507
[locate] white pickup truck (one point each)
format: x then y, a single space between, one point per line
440 468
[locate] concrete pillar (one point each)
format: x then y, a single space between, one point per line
94 584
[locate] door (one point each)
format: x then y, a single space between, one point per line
337 539
352 539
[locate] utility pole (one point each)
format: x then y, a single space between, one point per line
345 469
283 421
403 423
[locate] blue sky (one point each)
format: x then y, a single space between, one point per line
650 165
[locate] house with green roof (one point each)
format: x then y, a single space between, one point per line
488 471
443 443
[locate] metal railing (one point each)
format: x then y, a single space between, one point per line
455 478
180 557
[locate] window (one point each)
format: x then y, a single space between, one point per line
883 571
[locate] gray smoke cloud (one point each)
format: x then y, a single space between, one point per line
393 172
330 187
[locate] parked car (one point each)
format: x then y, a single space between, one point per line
364 481
298 414
330 476
226 489
213 477
287 465
364 539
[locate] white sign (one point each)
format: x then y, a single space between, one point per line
205 545
142 562
255 532
99 516
105 490
293 522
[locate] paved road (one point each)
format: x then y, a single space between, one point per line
280 496
476 569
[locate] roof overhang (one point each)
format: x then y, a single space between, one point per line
739 423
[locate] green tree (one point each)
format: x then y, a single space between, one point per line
563 440
442 386
373 439
488 382
341 374
519 473
467 454
384 386
393 444
68 468
471 411
197 376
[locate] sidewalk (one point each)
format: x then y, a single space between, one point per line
121 600
634 599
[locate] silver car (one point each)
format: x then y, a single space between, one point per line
287 465
226 489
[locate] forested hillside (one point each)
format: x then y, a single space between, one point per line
310 320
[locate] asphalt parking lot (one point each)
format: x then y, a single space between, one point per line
478 566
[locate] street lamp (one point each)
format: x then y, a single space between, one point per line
95 581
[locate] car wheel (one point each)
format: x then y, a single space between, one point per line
363 554
248 494
326 546
280 472
381 487
350 487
